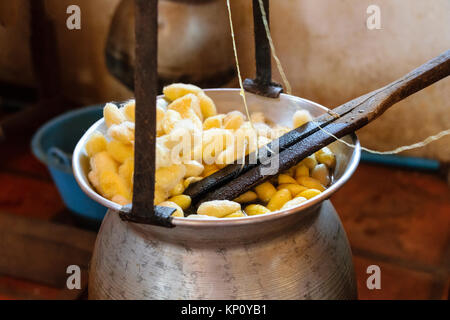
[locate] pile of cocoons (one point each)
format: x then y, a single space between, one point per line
187 117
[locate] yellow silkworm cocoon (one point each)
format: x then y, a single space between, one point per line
178 189
190 180
213 122
160 195
320 172
227 156
178 90
126 171
258 117
112 115
326 157
193 168
168 177
111 184
310 162
233 120
96 144
184 132
263 130
120 200
210 169
214 142
309 193
218 208
186 105
207 106
301 171
119 151
103 161
218 136
256 209
245 139
160 114
262 141
162 154
182 200
129 110
162 103
279 199
293 188
265 191
171 117
249 196
196 121
286 179
237 214
123 132
301 117
170 204
293 203
290 172
310 183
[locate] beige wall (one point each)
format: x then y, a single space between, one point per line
330 57
328 53
85 77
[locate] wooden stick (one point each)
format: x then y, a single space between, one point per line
143 209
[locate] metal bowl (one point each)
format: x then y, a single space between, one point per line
300 253
279 111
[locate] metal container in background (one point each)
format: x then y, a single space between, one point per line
300 253
53 145
193 41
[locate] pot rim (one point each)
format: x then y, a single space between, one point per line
222 222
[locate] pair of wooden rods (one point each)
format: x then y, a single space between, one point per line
297 144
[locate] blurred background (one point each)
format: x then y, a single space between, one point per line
396 211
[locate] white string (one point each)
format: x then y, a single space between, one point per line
242 92
416 145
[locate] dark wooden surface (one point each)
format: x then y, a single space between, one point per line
40 251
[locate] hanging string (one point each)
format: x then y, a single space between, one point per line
242 92
417 145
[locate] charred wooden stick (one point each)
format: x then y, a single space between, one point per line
304 141
221 177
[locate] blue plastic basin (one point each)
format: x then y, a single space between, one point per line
53 144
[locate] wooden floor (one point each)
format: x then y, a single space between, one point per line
396 219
